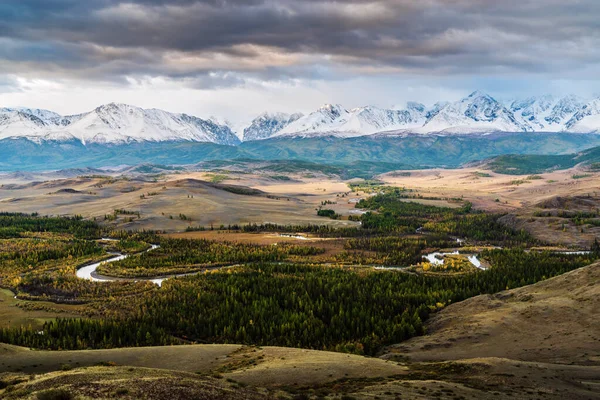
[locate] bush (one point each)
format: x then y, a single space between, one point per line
55 394
327 213
122 392
107 364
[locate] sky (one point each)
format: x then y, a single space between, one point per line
236 59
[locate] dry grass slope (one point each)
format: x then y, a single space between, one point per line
553 321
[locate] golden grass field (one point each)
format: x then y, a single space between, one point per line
513 192
164 201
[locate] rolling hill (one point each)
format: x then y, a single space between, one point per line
524 164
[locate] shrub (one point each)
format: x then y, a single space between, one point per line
121 391
55 394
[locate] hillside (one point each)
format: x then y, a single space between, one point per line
514 164
125 383
554 321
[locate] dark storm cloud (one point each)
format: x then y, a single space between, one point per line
279 39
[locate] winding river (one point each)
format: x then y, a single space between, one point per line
89 271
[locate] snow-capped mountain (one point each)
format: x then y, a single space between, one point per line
336 120
546 113
17 123
435 109
44 115
326 119
267 125
113 123
372 119
563 111
533 110
476 113
587 119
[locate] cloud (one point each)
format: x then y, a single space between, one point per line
216 43
9 84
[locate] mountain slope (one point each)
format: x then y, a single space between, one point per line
478 112
587 119
326 119
268 124
546 113
532 111
414 150
45 115
16 123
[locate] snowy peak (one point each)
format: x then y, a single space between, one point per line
532 110
586 119
415 107
546 113
267 125
435 109
481 107
44 115
478 112
564 110
116 122
14 122
327 119
334 111
377 120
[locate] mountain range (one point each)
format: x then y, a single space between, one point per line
478 113
112 123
